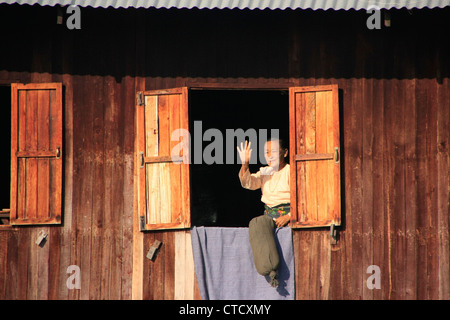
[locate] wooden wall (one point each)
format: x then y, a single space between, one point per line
394 98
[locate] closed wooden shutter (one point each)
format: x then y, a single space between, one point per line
163 192
315 150
36 149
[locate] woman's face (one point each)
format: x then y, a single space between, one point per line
273 154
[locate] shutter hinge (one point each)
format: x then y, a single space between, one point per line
336 155
140 99
142 223
333 234
142 159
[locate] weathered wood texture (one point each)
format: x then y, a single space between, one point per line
394 116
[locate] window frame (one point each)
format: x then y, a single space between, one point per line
294 223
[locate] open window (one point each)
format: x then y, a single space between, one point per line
175 194
36 149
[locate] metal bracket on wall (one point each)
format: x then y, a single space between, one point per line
41 239
152 252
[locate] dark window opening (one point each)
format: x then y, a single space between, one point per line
217 197
5 159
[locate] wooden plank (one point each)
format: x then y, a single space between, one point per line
79 233
161 159
30 121
174 212
43 188
151 149
399 189
18 200
300 106
157 287
323 100
42 275
422 177
15 107
112 177
54 262
31 164
282 85
185 175
12 266
128 94
151 126
42 119
163 125
180 265
36 154
388 188
411 196
293 146
333 142
325 265
367 183
163 92
184 266
169 265
56 118
137 275
165 195
21 119
56 143
96 181
31 188
314 156
354 215
443 186
43 142
310 147
153 187
380 243
431 195
149 282
23 264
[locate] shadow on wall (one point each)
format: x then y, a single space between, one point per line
278 44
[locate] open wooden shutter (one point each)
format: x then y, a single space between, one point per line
36 148
315 149
163 192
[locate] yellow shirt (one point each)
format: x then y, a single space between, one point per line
275 186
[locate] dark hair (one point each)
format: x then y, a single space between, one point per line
283 143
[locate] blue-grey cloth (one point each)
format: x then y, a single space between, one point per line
225 270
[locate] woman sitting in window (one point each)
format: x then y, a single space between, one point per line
272 179
275 187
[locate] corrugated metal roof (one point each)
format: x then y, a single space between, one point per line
243 4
